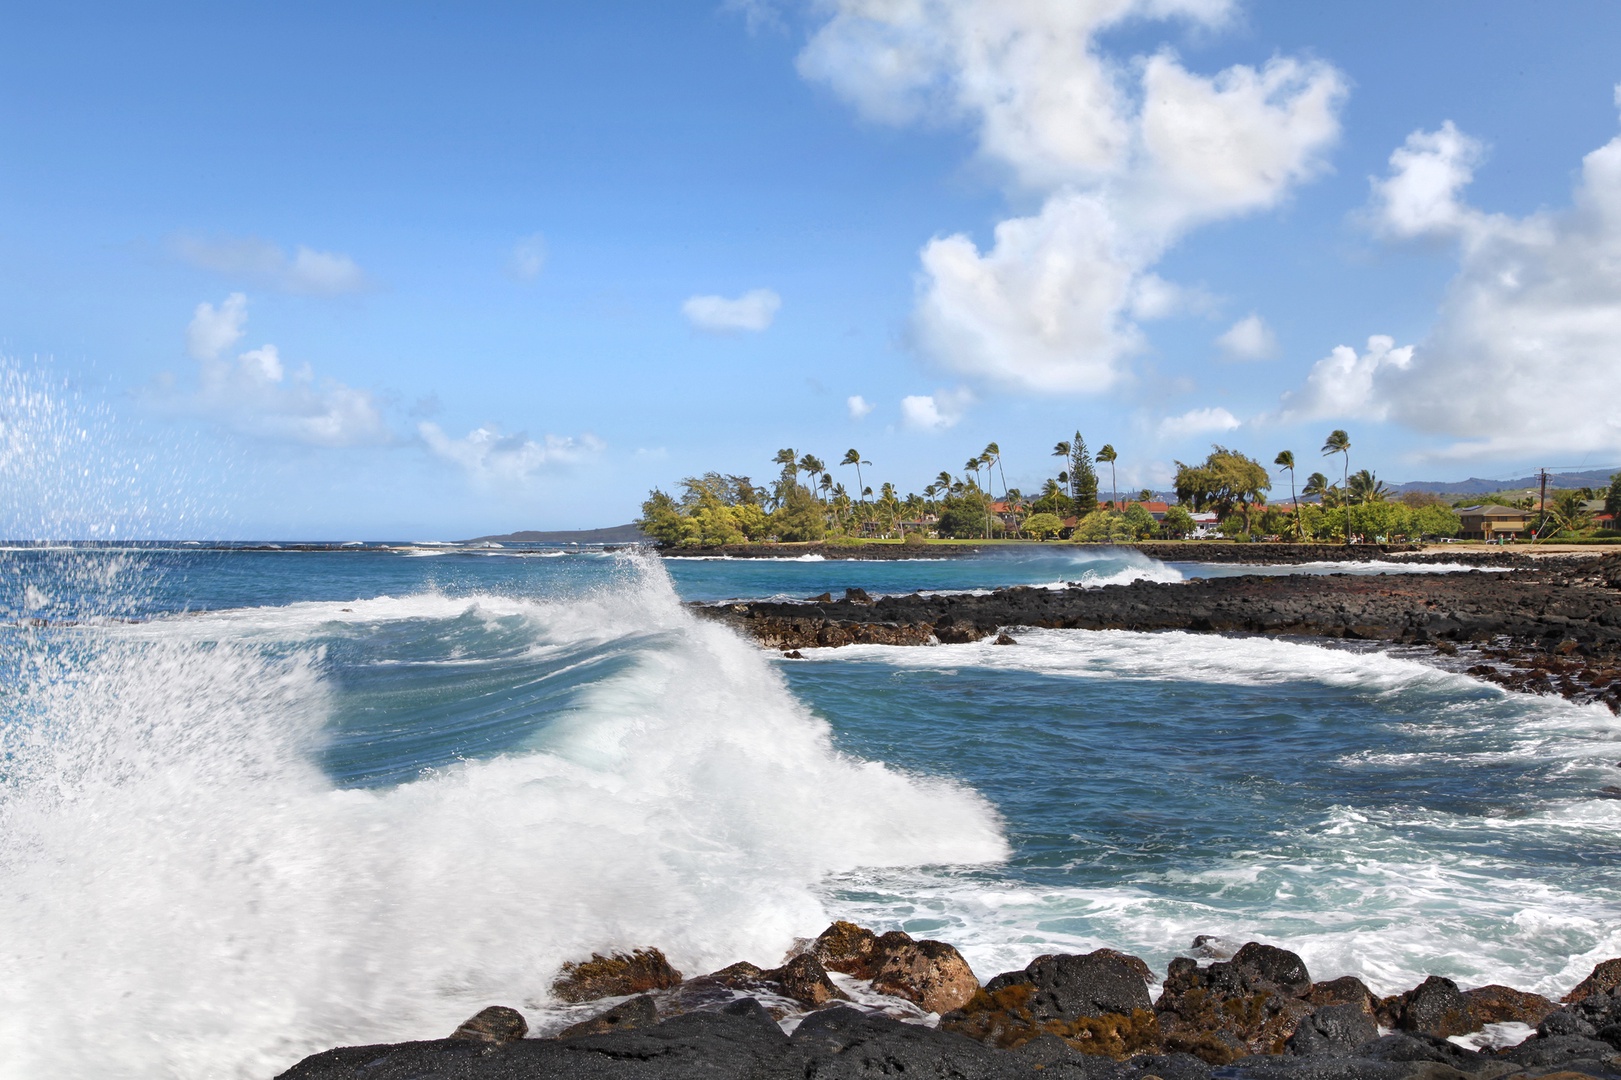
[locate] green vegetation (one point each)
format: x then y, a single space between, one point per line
806 504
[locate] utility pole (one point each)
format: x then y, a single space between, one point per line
1542 503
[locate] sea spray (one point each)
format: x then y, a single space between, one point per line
181 876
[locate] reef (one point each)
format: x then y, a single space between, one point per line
910 1008
1550 627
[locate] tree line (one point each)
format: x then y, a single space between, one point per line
807 501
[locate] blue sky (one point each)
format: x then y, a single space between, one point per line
411 270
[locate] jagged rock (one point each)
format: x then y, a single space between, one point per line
638 1012
1333 1031
1212 947
1005 638
1503 1004
846 948
1567 1051
857 596
802 978
1098 1002
497 1025
843 1044
1565 1022
1346 990
601 976
930 973
1434 1007
1250 1004
1605 977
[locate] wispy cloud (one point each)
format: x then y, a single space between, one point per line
494 460
1250 338
755 310
251 259
1206 421
859 406
528 257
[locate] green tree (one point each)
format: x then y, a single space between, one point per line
1364 487
1140 521
962 516
711 523
800 517
1083 479
1042 526
1178 523
662 519
1338 442
1286 460
1098 527
1224 482
1107 456
1612 500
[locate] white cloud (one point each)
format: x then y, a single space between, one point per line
1522 357
757 14
256 394
1250 338
1427 176
492 459
213 330
859 406
1198 422
754 310
1127 156
934 412
528 257
1345 386
319 273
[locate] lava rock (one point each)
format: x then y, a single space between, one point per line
618 975
1604 978
497 1025
930 974
1333 1031
842 1043
1434 1007
638 1012
1496 1004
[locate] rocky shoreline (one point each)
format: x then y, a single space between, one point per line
1553 627
1164 550
855 1004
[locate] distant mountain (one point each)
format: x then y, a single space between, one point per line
618 534
1593 478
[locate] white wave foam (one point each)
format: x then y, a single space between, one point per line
180 879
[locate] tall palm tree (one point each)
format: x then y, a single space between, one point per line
853 457
1364 487
1286 460
1108 454
1340 443
815 466
993 454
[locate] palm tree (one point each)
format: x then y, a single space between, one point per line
815 466
1364 487
993 453
1286 460
1108 454
1340 443
853 457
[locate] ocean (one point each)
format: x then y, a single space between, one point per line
258 803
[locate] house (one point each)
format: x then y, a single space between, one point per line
1492 522
1156 510
1204 525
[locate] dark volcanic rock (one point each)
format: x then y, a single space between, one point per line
1250 1004
638 1012
1333 1030
1548 629
1503 1004
601 976
1605 977
844 1044
1435 1007
1098 1002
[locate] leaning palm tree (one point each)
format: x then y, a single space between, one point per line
1364 487
993 455
1286 460
852 456
815 466
1108 454
1340 443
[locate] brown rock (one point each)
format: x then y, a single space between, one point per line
1346 990
1503 1004
638 1012
1604 978
612 976
1251 1004
805 980
1009 1015
846 948
930 973
496 1025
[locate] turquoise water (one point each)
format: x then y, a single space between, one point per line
258 803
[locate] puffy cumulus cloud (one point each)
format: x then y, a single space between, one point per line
1427 175
527 258
215 329
307 271
754 310
1346 385
934 412
255 393
1522 356
1127 156
492 459
1250 338
1205 421
859 406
